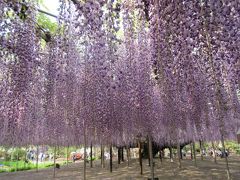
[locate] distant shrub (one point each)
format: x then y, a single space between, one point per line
18 154
2 153
5 155
233 146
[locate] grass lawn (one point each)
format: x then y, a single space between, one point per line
10 166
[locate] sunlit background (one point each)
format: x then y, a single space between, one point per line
50 6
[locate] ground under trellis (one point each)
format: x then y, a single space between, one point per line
206 169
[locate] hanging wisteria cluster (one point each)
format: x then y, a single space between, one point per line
118 70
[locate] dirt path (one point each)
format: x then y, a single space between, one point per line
206 170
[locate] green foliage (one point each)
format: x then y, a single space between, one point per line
40 2
7 156
233 146
2 153
11 166
93 158
22 14
18 154
45 23
62 151
12 154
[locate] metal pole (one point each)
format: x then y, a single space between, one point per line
102 156
140 158
191 148
37 159
151 157
122 154
67 154
111 163
194 154
54 162
119 155
179 155
201 149
91 158
171 153
160 155
25 158
148 152
47 13
85 155
214 153
128 156
226 159
17 160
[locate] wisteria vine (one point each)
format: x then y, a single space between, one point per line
119 70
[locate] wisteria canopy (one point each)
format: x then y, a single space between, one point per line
118 70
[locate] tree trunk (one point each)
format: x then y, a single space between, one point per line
179 155
140 158
194 154
91 158
151 157
111 163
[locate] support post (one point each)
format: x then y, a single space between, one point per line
54 161
171 153
37 159
128 156
148 152
91 158
85 156
122 154
119 155
111 163
67 154
25 158
194 154
214 153
140 158
151 157
102 156
160 155
191 148
226 158
17 159
201 149
179 155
